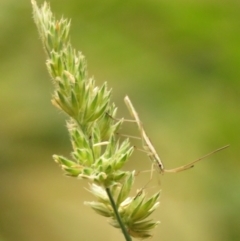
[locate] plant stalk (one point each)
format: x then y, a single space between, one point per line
124 230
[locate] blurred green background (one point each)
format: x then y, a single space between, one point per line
179 61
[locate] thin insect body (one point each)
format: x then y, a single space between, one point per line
150 150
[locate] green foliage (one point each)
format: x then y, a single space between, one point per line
98 154
132 210
178 61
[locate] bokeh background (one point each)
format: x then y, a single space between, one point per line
179 61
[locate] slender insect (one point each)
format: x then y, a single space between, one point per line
150 150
